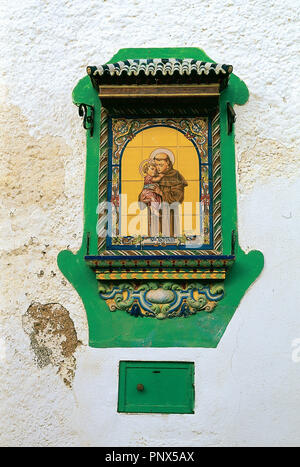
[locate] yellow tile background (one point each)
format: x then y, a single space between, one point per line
137 141
140 148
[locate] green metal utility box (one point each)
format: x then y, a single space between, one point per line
156 387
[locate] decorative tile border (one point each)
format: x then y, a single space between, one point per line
128 130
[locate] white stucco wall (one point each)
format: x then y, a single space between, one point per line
247 390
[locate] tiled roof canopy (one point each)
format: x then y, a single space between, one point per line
160 71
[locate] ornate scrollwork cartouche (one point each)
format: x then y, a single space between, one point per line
161 299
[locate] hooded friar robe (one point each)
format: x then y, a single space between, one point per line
172 186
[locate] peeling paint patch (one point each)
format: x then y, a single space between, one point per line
266 159
53 338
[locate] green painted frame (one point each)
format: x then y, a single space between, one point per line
118 329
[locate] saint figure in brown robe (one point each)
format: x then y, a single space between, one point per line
172 184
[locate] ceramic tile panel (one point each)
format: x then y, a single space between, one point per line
158 161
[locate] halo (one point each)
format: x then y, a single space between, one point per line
142 165
164 151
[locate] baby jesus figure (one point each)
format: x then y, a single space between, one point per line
151 194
